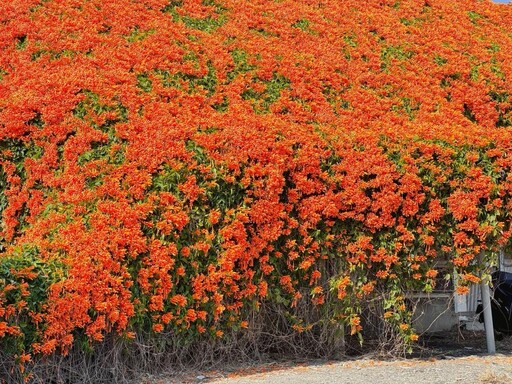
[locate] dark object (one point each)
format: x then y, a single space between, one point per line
501 304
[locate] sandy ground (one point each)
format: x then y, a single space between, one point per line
473 369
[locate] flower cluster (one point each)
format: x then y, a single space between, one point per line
171 165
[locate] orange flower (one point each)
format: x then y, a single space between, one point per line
368 288
462 290
471 278
178 300
214 216
130 335
404 327
191 315
24 357
355 325
431 273
166 318
317 290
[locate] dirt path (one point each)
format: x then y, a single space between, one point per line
468 370
478 369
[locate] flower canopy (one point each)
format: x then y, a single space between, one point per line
173 165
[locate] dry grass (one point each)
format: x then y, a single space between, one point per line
490 377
